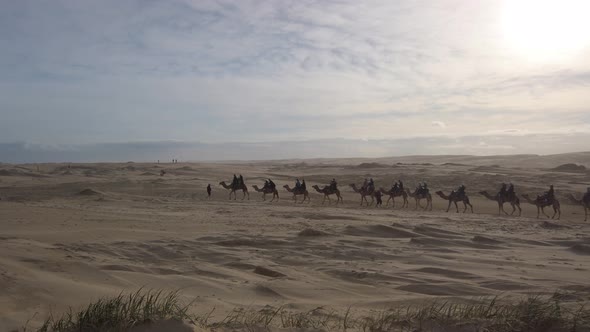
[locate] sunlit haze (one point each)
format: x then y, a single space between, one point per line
212 80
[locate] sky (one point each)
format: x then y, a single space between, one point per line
214 80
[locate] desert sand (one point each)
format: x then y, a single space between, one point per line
71 233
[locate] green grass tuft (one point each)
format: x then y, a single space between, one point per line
120 313
530 314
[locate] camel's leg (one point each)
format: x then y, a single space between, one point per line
420 205
519 209
543 211
464 206
387 203
456 206
448 207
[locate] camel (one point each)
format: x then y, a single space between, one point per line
233 190
392 194
541 203
514 202
585 202
364 193
267 190
327 191
296 192
455 197
420 196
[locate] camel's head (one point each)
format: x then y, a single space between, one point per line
315 186
286 186
221 183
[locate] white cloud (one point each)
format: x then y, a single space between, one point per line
439 124
213 71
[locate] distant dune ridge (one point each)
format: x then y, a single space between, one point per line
105 228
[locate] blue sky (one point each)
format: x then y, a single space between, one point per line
85 73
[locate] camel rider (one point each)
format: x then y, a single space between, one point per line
371 185
234 182
461 190
241 178
365 184
423 188
333 184
271 184
550 194
401 185
510 191
297 184
266 184
303 186
395 187
503 190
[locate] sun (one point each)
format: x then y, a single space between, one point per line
546 30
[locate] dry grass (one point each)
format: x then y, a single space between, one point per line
120 313
533 313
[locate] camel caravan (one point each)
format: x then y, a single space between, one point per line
367 190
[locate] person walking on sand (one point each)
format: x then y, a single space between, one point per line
208 191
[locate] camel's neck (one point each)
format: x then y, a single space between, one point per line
225 185
256 188
577 201
488 196
354 188
529 200
442 195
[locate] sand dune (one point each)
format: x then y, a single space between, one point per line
106 228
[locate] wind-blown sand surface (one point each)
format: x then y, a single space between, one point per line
72 234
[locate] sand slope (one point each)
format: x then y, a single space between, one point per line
72 234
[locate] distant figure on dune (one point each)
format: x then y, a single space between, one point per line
208 191
378 198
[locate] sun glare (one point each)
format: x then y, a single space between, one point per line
547 30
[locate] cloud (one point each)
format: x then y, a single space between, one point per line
251 71
439 124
